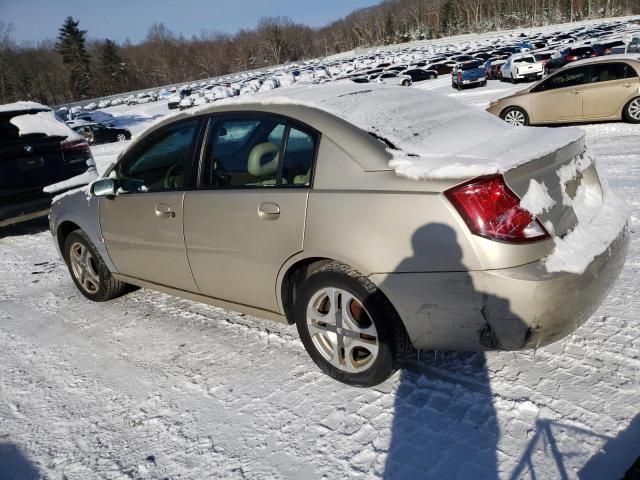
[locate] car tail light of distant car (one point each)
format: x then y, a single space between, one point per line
491 210
572 58
76 149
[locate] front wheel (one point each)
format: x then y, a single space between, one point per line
88 271
515 116
349 329
631 111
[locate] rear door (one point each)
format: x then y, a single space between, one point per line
142 224
611 85
559 97
247 217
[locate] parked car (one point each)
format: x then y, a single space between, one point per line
442 68
523 66
420 74
174 101
97 133
391 78
247 221
633 46
468 74
36 150
603 88
493 68
568 55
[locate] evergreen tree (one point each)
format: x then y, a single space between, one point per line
71 45
113 71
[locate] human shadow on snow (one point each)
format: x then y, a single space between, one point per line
14 465
445 424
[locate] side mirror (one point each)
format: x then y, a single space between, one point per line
105 187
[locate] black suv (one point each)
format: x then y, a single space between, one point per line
29 161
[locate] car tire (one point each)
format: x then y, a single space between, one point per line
369 320
631 111
483 84
121 137
406 83
515 116
88 271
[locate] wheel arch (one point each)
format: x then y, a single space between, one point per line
63 231
294 275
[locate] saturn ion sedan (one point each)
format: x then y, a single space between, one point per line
355 212
599 89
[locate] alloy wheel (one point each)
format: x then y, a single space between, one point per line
515 118
121 137
634 109
341 330
84 267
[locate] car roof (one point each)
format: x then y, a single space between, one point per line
606 58
368 122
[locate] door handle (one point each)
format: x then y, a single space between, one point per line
576 92
164 211
269 210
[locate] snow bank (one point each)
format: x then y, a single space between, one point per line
43 122
429 135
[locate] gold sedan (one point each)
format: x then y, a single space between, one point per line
600 89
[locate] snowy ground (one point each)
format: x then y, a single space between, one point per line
151 386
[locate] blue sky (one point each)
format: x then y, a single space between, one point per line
122 19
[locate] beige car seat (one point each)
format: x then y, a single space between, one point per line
255 166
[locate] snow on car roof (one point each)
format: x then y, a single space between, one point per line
429 135
43 122
23 105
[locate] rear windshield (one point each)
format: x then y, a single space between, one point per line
469 65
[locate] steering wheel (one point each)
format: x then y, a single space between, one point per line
169 177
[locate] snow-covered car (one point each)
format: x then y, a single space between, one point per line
97 133
186 102
510 248
96 116
174 101
523 66
90 106
36 150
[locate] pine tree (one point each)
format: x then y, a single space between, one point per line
113 71
71 45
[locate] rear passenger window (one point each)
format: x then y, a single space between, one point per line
259 152
298 158
608 72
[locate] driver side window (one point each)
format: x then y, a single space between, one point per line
162 161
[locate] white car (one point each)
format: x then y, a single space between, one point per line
186 102
522 66
391 78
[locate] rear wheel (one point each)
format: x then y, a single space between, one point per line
515 116
88 271
406 83
348 327
121 137
631 111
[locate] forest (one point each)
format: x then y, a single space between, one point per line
74 66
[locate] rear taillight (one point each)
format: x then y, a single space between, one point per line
78 145
491 210
572 58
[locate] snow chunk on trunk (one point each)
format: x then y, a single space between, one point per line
537 199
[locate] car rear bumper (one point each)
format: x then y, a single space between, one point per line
510 309
21 212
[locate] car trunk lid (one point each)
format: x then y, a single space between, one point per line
561 188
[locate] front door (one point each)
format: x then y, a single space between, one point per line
142 224
247 218
559 97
